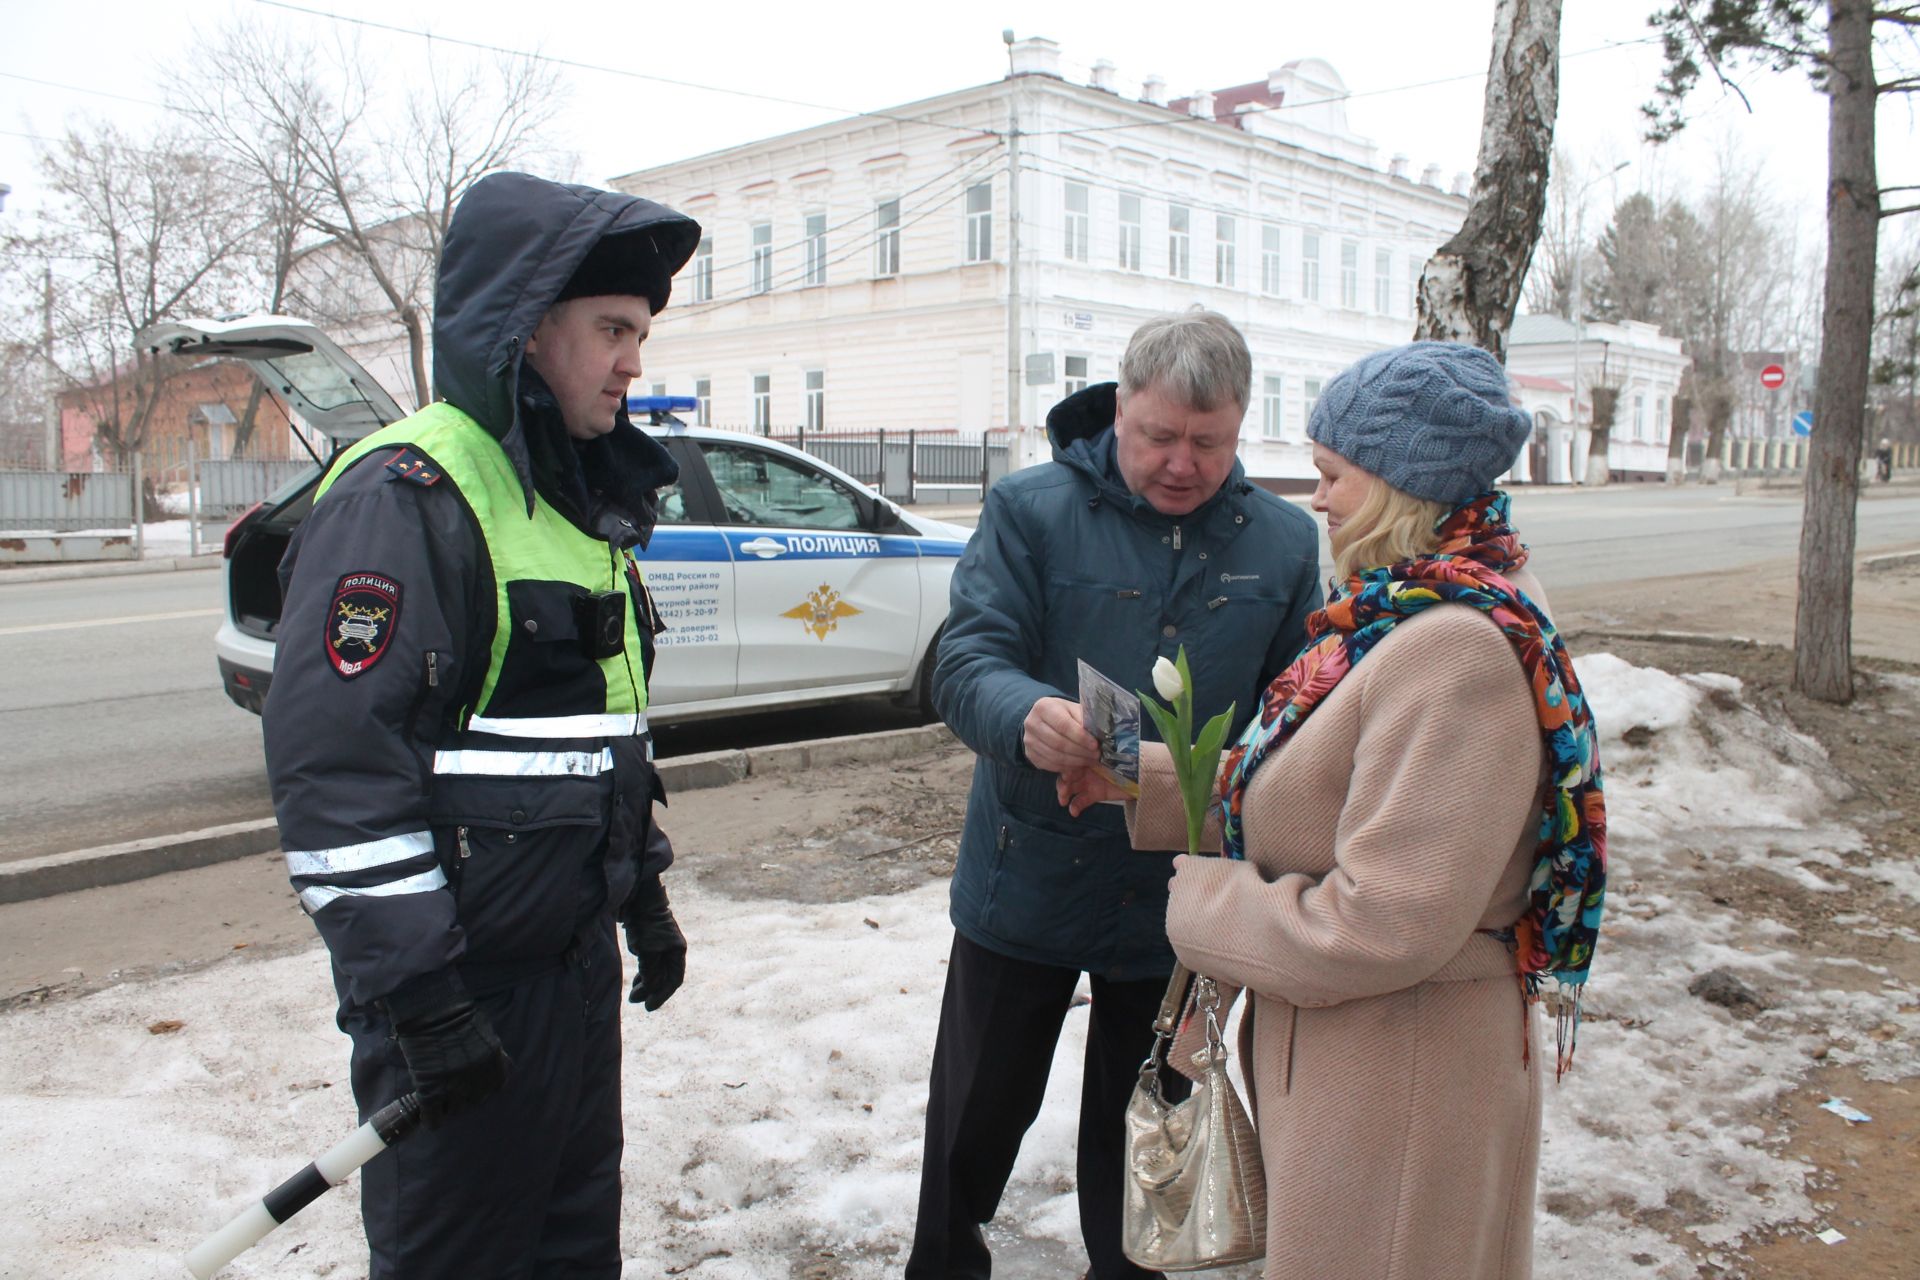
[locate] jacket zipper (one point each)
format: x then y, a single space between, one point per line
433 669
1176 537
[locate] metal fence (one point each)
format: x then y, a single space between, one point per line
223 490
900 463
65 501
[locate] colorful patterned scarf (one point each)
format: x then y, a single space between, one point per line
1478 546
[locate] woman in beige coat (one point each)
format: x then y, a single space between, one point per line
1421 841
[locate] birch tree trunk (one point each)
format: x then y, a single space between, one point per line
1823 624
1470 287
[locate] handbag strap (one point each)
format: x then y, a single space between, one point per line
1174 1001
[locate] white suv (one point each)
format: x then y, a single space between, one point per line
783 581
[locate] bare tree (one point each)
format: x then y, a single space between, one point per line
1470 286
1548 290
139 231
220 91
1835 43
375 178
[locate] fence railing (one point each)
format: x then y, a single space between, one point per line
900 463
65 501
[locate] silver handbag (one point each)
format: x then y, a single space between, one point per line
1196 1194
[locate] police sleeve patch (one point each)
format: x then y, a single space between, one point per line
366 608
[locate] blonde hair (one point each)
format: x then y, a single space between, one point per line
1389 525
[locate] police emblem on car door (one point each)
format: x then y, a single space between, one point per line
823 600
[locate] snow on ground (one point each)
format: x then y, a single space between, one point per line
774 1107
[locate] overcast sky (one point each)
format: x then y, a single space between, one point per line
856 56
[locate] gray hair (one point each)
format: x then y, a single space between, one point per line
1195 356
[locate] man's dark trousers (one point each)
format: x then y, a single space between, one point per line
999 1021
526 1183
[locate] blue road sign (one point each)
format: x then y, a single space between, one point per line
1803 423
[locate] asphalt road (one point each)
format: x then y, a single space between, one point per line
113 725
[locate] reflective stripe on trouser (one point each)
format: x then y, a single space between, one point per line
527 1182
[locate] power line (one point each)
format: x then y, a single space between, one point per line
1320 102
606 70
98 93
954 191
865 213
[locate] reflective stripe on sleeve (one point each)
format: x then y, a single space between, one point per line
624 725
525 764
358 857
320 895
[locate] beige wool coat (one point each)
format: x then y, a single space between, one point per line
1399 1118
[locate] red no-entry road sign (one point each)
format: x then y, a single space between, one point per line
1773 377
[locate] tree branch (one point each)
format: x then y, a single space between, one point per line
1905 208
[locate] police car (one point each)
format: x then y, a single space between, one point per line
783 581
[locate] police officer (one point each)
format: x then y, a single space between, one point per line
456 738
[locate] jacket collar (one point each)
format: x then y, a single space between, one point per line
1081 430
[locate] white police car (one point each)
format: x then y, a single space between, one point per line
783 581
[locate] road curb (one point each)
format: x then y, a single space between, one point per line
109 568
1894 560
57 873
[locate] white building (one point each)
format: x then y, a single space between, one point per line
1548 357
857 275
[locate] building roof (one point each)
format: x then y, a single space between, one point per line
1227 102
1548 328
1534 382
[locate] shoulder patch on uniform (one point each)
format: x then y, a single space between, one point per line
411 465
366 608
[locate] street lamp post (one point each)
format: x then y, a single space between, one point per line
1580 314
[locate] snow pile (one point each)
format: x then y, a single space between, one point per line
775 1106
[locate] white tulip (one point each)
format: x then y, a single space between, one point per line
1166 679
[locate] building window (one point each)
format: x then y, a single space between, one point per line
1269 259
1383 281
1660 411
1414 267
980 222
816 399
886 243
1179 241
1077 222
1309 396
703 270
703 406
1639 417
816 248
1226 241
658 389
1349 274
763 403
762 260
1129 232
1271 407
1310 266
1076 370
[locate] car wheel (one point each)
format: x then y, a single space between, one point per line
923 687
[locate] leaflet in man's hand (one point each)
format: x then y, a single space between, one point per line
1112 715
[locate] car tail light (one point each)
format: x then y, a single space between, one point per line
233 530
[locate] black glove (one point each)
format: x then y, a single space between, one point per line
451 1051
654 937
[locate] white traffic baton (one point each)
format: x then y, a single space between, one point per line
389 1124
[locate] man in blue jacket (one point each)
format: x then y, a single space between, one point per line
1142 535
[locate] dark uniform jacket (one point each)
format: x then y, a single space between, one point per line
1069 565
408 859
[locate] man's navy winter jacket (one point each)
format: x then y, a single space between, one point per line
1067 564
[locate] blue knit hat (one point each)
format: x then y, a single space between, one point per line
1433 419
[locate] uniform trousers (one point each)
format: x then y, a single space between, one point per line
524 1185
999 1021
